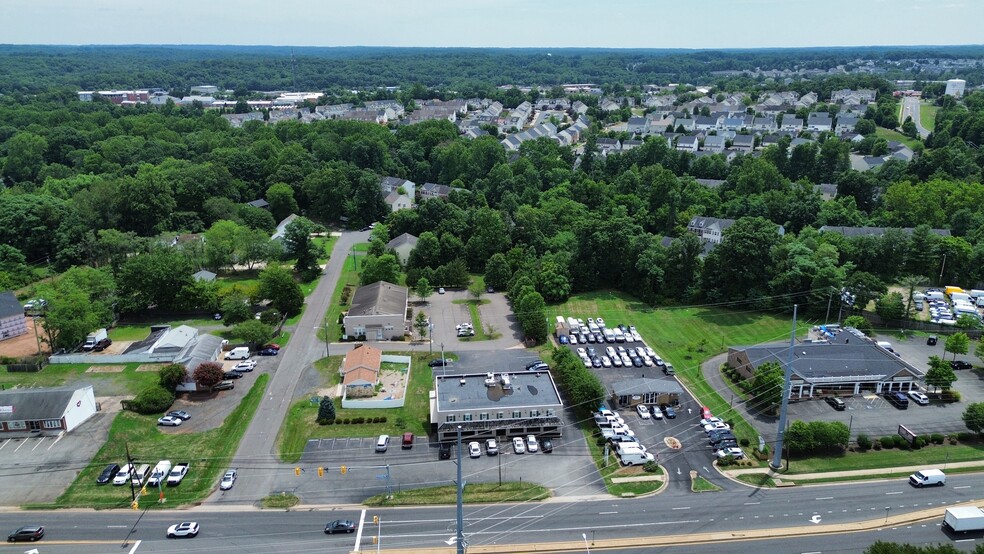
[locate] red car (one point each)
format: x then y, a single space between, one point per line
272 346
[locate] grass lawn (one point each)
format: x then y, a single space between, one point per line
281 501
126 382
349 277
927 115
686 337
324 246
889 134
129 332
703 485
936 455
300 426
473 494
208 452
757 479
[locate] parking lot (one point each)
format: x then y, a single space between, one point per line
568 470
445 315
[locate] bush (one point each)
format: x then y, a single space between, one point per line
878 446
918 443
382 419
864 443
950 396
744 442
965 436
154 399
650 467
936 438
887 442
900 442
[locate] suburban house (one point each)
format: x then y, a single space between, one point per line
608 146
282 227
491 405
714 144
402 245
434 190
792 124
45 410
687 124
636 125
261 204
377 312
819 122
687 143
360 371
709 229
848 96
846 124
828 191
849 363
12 320
398 201
743 143
398 193
764 124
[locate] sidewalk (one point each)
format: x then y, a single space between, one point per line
792 477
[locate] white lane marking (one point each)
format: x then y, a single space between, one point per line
682 508
358 534
41 440
826 498
606 513
136 545
964 540
117 526
962 487
751 503
896 492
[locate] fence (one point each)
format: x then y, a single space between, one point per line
383 403
144 358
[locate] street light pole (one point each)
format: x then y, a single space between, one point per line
586 547
327 352
461 510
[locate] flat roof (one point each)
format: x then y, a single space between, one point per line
469 392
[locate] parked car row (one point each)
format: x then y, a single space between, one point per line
576 331
719 436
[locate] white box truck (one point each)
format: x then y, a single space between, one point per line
94 338
238 353
964 519
927 478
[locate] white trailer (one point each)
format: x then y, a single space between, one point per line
964 519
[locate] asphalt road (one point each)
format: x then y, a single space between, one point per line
910 107
816 509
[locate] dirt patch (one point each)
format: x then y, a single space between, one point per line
394 384
106 369
673 443
111 404
26 344
150 367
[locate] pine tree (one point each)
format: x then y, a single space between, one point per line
326 410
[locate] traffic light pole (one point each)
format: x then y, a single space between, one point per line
461 513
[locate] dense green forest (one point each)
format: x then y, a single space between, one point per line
94 185
470 71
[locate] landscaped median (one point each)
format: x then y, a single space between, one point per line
208 452
623 481
473 494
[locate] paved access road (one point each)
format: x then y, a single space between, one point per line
910 108
820 509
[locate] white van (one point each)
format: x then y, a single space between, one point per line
631 457
141 474
238 353
159 475
935 295
382 443
927 477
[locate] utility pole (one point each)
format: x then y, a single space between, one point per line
460 539
129 461
327 352
784 402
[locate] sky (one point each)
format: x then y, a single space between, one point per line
497 23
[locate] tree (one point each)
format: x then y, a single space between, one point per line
69 317
155 279
423 288
298 245
767 384
254 332
973 417
326 410
208 374
859 323
957 343
421 324
279 287
384 268
25 156
497 272
172 375
799 437
890 306
235 308
940 374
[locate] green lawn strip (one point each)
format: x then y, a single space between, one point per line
126 382
208 452
757 479
282 339
476 318
615 469
886 475
129 332
300 426
473 494
889 134
935 455
324 246
308 288
927 115
348 277
281 501
700 484
686 337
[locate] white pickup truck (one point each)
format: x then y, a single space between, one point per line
177 474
